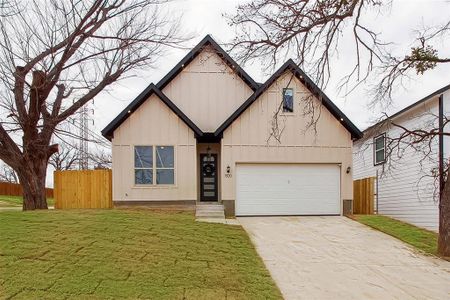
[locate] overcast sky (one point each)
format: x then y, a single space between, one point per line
396 24
201 17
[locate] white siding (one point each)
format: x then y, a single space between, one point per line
246 140
405 186
154 124
207 90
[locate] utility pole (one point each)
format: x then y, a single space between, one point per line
83 148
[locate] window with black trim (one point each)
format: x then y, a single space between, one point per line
379 149
164 165
154 162
288 100
143 165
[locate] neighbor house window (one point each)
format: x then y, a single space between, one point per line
149 171
379 147
288 100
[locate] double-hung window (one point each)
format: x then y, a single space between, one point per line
154 165
379 149
288 100
164 165
143 165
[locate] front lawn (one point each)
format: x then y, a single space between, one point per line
6 201
422 239
127 254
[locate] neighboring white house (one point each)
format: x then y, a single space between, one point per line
201 134
405 188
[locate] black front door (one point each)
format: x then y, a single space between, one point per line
208 177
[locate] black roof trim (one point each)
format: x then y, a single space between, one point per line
421 101
292 66
207 40
108 131
208 137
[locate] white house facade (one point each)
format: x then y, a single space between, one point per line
202 134
407 184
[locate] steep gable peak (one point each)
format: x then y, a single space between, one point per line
210 44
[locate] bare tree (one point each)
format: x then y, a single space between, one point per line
7 174
102 159
421 57
56 56
66 158
311 32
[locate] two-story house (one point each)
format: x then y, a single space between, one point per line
202 133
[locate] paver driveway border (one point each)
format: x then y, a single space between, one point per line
338 258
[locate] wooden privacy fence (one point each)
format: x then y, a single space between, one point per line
363 196
15 189
83 189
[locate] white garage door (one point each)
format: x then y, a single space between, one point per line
281 189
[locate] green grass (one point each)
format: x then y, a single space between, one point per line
126 254
17 201
421 239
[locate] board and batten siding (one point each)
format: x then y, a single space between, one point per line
405 186
246 139
154 124
208 91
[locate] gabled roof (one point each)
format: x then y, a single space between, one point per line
133 106
290 65
157 89
258 89
207 41
421 101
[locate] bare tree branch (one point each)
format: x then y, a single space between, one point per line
57 56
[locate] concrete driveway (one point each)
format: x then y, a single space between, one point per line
337 258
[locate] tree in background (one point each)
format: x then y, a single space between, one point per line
66 158
7 174
312 30
56 56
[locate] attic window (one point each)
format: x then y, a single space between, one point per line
288 100
379 149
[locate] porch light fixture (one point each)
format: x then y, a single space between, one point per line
348 170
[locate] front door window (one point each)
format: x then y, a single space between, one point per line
208 177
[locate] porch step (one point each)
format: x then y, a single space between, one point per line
210 211
209 214
204 207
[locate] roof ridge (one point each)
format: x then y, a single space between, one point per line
194 52
411 106
189 57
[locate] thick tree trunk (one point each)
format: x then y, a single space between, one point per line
444 221
33 184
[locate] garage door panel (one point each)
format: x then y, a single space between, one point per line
271 189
